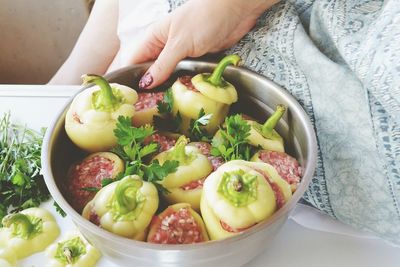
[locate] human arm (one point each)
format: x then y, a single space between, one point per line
96 47
192 30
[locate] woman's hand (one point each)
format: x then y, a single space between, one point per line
192 30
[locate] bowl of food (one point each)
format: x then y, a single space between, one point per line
197 173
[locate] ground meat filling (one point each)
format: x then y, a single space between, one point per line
178 227
197 184
287 166
148 100
187 81
88 173
164 142
205 149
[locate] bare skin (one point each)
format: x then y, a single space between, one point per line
192 30
92 54
196 28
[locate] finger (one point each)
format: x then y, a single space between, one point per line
165 64
152 44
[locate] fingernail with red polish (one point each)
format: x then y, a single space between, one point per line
145 81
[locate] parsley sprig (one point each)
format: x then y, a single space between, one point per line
130 140
21 184
197 131
167 121
230 142
132 150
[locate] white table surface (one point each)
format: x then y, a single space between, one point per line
295 245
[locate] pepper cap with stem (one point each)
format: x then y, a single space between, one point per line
127 202
116 214
214 86
267 129
91 118
28 231
238 187
107 98
185 184
264 135
179 152
22 225
72 250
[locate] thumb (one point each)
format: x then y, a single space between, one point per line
165 64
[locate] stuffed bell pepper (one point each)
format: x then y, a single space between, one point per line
89 173
207 92
240 194
177 224
265 135
92 116
124 207
72 251
28 231
186 184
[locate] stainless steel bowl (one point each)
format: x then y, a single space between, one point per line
257 97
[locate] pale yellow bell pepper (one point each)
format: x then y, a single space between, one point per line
72 251
5 263
185 185
125 207
214 95
214 86
29 231
7 256
92 116
265 135
238 195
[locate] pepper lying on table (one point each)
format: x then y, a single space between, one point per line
29 231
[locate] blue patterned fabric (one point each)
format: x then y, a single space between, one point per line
341 60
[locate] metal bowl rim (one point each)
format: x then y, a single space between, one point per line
77 218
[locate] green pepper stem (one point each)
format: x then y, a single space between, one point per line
68 254
26 226
238 187
216 76
125 194
272 121
106 98
179 152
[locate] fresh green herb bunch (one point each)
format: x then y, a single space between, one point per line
167 121
132 150
197 130
21 184
230 141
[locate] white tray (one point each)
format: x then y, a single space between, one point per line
295 245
